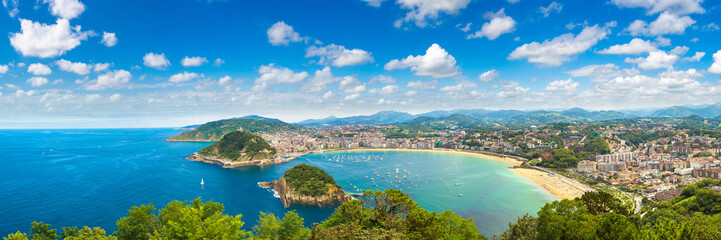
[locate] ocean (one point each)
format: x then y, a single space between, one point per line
92 177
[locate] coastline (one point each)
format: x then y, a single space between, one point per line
513 161
560 186
557 185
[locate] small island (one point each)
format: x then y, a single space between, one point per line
239 148
305 184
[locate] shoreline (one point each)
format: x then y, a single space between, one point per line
510 160
558 185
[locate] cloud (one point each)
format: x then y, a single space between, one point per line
109 39
655 60
184 77
499 24
386 90
193 61
224 80
562 85
464 28
115 97
283 34
352 96
42 40
113 79
320 81
328 95
374 3
695 58
436 63
382 79
666 23
423 11
635 47
12 7
218 62
716 66
422 84
4 69
489 76
680 7
590 69
77 67
67 9
339 56
679 50
37 81
553 7
350 84
271 75
99 67
39 69
560 49
157 61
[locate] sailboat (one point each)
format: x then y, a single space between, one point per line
202 182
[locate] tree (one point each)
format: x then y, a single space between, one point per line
88 233
16 236
198 220
289 228
523 229
42 231
614 226
603 202
139 224
597 145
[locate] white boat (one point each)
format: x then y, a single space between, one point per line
202 182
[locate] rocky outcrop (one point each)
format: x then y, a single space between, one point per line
229 164
288 196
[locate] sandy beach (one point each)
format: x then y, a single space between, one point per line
473 154
560 186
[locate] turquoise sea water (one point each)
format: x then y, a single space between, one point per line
92 177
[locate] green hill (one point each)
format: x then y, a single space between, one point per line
239 146
310 181
213 131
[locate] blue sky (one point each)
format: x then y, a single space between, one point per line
92 63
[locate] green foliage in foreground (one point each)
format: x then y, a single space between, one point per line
598 215
386 214
310 181
239 146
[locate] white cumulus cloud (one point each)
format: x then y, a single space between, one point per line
716 66
37 81
193 61
74 67
635 47
67 9
4 69
184 77
39 69
436 63
423 11
157 61
339 56
562 85
499 24
42 40
560 49
114 79
655 60
422 84
489 76
680 7
282 34
109 39
271 75
666 23
386 90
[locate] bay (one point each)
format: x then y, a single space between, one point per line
93 176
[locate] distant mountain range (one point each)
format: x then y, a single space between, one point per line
513 116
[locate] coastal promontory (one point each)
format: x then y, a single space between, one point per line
309 185
215 130
238 149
